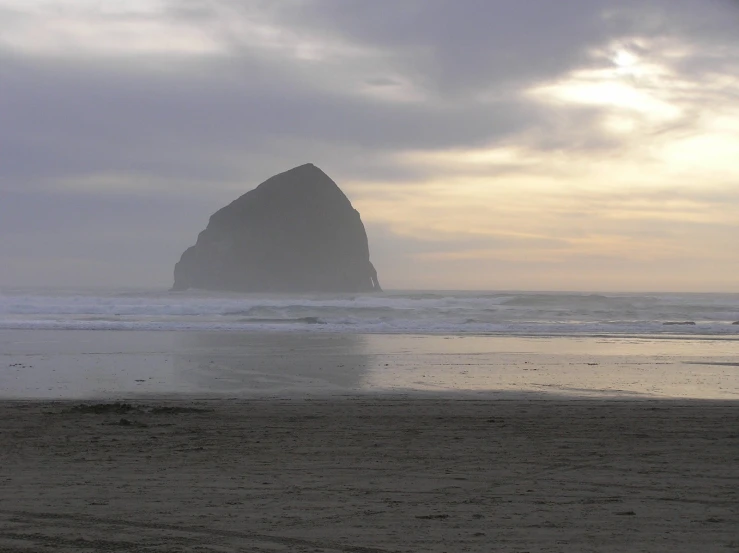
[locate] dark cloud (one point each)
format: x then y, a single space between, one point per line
463 46
66 119
456 48
213 117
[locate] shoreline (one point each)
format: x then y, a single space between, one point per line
87 364
732 334
369 474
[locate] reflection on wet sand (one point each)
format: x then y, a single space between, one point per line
555 366
243 363
85 364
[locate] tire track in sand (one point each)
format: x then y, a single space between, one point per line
88 523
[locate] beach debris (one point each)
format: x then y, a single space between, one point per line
103 408
672 323
175 410
129 422
121 408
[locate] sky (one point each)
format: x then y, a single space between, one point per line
488 144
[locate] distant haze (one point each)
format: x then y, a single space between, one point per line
488 144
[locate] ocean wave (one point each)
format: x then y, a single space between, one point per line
387 327
395 312
299 320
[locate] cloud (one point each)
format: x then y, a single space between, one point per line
207 121
454 126
468 67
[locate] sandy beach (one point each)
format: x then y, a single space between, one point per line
369 475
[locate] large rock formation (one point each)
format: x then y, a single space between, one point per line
295 232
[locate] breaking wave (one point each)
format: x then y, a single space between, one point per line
393 312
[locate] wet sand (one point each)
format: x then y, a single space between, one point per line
370 474
83 364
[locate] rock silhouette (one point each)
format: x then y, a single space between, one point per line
295 232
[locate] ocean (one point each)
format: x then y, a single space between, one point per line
396 312
66 344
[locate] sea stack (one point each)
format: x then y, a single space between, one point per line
296 232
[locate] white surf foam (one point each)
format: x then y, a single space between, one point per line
395 312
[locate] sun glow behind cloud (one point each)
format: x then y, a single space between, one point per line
666 193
